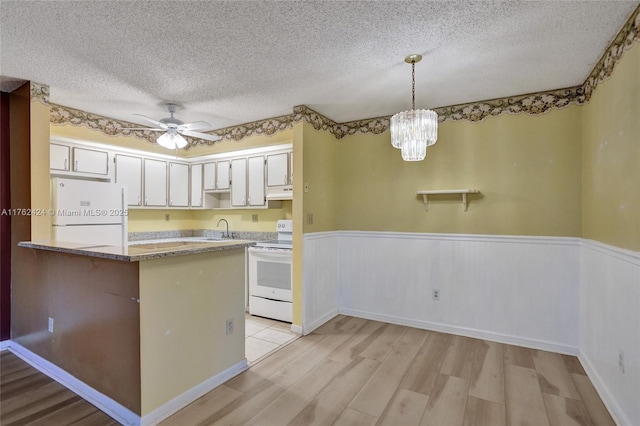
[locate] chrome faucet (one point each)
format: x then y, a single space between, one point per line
227 235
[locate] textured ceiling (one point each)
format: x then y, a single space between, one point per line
234 62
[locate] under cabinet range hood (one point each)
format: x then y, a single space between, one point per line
280 193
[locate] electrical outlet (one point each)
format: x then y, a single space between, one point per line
167 217
254 218
229 327
436 294
621 361
50 326
309 218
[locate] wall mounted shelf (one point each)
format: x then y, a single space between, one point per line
425 195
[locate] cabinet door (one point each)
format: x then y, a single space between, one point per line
155 183
196 185
58 157
222 174
90 161
178 185
291 168
278 169
239 182
255 178
209 182
129 174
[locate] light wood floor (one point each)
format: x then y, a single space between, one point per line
28 397
353 372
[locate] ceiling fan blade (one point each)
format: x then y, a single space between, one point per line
144 128
152 121
196 125
199 135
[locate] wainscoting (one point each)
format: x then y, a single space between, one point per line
610 325
559 294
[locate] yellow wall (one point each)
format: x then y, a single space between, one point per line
89 135
611 157
320 176
184 303
241 220
317 170
284 136
526 167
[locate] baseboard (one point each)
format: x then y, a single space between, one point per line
308 328
186 398
608 400
464 331
4 345
114 409
297 329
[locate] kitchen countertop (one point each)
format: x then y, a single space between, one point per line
141 250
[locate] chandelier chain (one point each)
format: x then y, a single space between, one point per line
413 86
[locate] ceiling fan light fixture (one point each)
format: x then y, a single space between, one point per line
413 131
171 140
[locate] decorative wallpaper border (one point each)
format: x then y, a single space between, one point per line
39 92
533 103
629 34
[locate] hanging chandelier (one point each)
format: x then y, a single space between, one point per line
413 131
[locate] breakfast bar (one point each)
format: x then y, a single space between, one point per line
149 326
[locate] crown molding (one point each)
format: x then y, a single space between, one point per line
533 104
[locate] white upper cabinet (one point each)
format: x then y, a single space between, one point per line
216 175
222 174
255 178
155 183
278 169
255 181
209 179
90 161
178 185
129 174
59 157
195 200
239 182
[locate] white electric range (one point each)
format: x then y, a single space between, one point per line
270 275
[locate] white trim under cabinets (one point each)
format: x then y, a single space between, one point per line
158 181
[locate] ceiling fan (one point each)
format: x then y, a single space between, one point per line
174 128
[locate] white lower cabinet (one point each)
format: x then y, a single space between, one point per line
178 185
155 183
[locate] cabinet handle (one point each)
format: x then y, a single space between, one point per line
66 164
138 200
76 169
285 179
146 201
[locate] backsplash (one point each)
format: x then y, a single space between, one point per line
186 233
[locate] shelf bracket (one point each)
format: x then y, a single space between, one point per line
462 192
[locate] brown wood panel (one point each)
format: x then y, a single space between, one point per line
96 334
5 219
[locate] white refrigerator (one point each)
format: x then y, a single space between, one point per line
88 212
